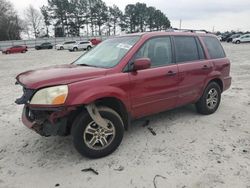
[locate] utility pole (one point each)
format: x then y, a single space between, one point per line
180 24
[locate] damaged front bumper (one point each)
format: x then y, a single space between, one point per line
47 122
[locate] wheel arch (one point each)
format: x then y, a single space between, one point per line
117 105
219 82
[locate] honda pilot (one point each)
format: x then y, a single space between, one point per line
124 78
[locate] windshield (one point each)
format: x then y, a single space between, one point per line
108 53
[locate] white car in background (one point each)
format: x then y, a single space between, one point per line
242 38
80 45
65 45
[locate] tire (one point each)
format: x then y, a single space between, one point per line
61 48
89 48
7 52
82 139
212 92
75 49
237 42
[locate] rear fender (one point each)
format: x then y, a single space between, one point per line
213 75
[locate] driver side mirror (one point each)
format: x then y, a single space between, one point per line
141 64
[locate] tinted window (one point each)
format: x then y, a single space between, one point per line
70 42
186 49
84 42
158 50
214 47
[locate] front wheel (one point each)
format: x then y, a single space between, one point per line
237 42
210 100
93 141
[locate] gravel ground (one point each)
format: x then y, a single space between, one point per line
188 151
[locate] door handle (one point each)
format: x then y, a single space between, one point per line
171 73
205 67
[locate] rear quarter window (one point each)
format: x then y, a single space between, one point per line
214 47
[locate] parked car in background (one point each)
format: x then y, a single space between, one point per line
219 37
65 45
45 45
95 41
122 79
242 39
80 45
230 39
224 37
15 49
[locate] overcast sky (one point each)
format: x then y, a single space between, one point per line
197 14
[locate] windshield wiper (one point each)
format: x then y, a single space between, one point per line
87 65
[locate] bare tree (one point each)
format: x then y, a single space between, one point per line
33 19
9 22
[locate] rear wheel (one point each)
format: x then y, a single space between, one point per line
237 42
93 141
7 52
210 100
61 48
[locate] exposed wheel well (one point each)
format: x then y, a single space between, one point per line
116 105
219 82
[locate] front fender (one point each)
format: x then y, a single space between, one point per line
94 93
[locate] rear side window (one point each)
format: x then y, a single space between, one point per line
186 49
214 47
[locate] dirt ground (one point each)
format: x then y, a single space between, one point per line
188 151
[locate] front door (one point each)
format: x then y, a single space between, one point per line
155 89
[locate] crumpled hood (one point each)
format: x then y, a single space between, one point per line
58 75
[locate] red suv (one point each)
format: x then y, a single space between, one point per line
124 78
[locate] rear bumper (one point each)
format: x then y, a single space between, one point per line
227 83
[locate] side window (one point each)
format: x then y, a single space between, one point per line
158 50
214 47
186 49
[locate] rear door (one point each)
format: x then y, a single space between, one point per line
154 89
193 68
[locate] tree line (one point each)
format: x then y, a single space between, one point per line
94 17
70 16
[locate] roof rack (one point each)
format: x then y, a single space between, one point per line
188 30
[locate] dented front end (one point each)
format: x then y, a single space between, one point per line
46 121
